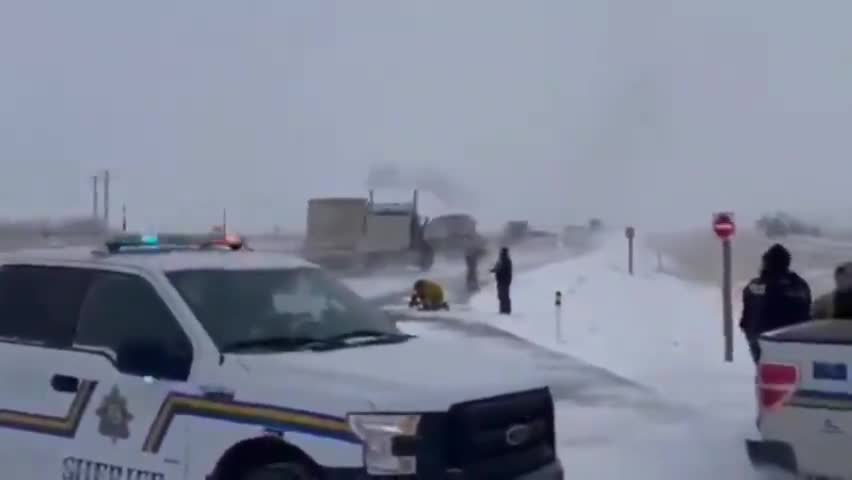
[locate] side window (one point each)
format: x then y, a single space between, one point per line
40 304
125 316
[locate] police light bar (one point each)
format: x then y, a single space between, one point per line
172 241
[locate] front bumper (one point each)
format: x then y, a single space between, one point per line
552 471
771 454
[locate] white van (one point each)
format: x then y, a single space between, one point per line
187 357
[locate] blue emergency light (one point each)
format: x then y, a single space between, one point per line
162 242
149 239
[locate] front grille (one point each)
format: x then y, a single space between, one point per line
477 432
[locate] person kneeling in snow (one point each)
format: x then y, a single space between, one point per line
427 295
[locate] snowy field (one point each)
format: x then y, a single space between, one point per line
696 256
655 330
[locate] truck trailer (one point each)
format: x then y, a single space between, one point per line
354 233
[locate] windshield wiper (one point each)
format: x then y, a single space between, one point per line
279 344
290 344
372 336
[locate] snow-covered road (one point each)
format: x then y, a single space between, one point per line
681 413
384 288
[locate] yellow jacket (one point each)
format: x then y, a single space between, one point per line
429 293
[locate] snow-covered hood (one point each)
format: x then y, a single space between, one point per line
417 375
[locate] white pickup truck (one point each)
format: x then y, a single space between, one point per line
187 357
805 401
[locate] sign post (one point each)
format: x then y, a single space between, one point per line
558 317
630 233
725 228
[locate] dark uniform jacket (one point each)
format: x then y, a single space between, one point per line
503 270
771 302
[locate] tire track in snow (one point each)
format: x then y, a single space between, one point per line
572 381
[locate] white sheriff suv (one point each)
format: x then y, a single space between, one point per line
805 401
188 357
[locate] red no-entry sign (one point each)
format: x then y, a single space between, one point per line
724 226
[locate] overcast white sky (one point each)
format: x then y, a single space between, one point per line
654 112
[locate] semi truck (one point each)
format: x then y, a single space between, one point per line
359 233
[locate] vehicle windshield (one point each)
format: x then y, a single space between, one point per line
277 308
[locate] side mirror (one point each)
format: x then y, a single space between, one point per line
152 358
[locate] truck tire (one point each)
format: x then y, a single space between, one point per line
281 471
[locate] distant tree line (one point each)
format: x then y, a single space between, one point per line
48 228
780 224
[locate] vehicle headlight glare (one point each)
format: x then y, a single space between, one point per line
377 432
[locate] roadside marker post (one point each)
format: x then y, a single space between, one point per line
558 315
630 233
724 227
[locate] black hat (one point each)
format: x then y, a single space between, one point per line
777 258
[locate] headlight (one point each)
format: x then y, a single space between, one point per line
378 432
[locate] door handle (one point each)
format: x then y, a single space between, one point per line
65 383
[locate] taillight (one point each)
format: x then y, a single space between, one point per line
776 383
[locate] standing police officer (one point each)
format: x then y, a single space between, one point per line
777 298
503 276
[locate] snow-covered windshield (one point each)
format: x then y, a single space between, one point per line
250 306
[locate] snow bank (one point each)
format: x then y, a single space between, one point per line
651 327
657 330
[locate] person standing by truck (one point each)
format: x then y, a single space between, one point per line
503 276
838 302
474 251
777 298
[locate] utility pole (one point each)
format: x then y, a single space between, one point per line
124 218
95 212
224 221
106 197
630 233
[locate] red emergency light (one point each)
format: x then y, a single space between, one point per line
234 242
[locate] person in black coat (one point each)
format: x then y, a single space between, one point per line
503 276
777 298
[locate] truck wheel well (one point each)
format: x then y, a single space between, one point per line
257 452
